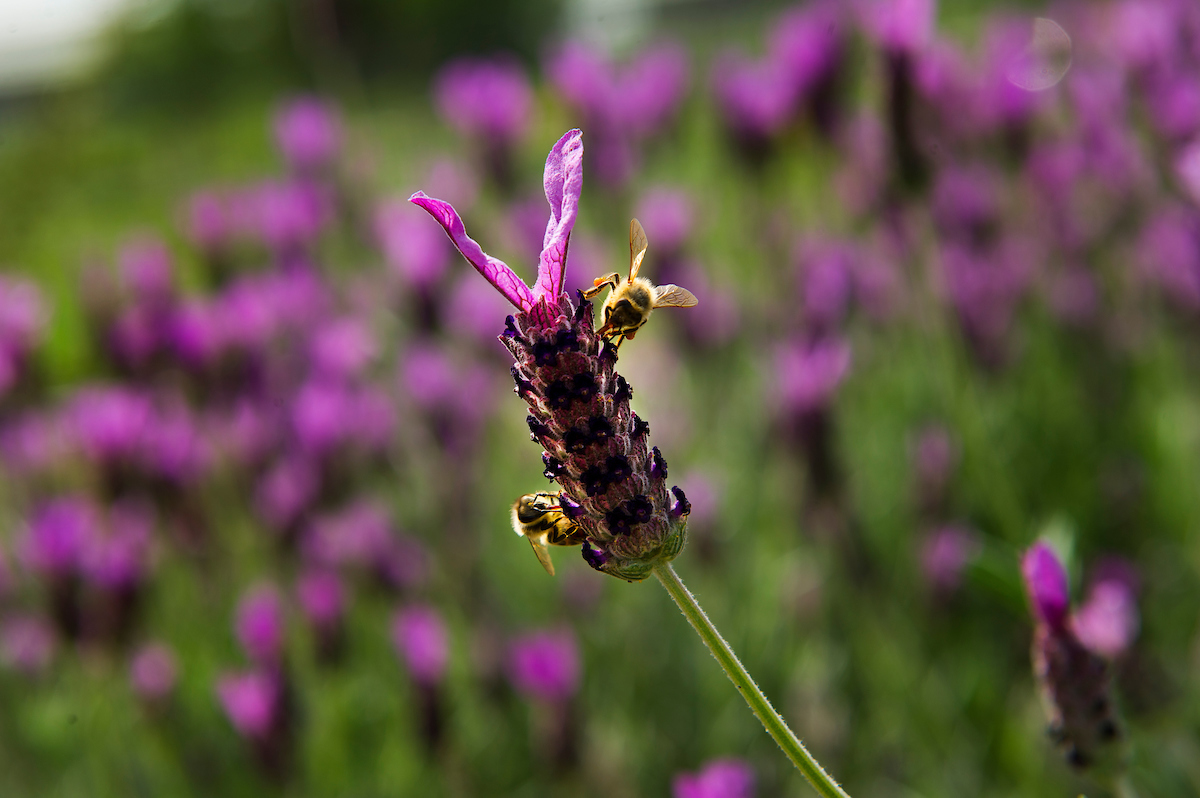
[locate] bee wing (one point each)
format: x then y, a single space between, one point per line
672 296
543 555
637 247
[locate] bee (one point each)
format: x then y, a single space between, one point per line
629 303
539 518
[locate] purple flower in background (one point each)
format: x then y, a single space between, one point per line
1169 254
721 778
173 447
545 665
668 212
417 252
109 421
207 221
322 597
322 415
288 215
475 306
945 553
756 98
454 181
114 555
899 25
343 347
826 282
420 639
251 700
153 672
32 443
260 625
487 99
21 322
57 534
806 41
935 455
1107 621
808 374
1187 170
309 133
27 643
357 535
147 271
1046 584
620 106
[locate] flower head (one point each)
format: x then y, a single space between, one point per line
260 624
721 778
153 671
545 665
489 99
420 638
308 133
614 483
251 700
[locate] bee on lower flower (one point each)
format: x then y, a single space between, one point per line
630 303
539 518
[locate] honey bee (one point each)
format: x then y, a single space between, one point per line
629 303
539 518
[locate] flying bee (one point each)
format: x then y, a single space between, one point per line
538 517
629 303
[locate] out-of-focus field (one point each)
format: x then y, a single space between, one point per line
279 440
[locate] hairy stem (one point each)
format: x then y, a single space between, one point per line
772 720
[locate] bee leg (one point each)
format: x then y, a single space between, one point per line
600 283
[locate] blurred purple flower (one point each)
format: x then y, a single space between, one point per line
488 99
321 596
667 213
945 553
147 271
935 455
704 493
173 448
32 442
545 665
153 671
454 181
207 222
114 555
251 700
899 25
1169 253
1107 621
322 415
417 252
1046 582
286 490
57 534
420 639
966 201
260 624
806 41
109 421
1073 296
720 778
27 643
359 535
308 133
288 215
475 306
808 374
827 281
343 347
1187 170
756 98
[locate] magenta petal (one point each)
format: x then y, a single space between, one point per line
1046 582
563 181
496 271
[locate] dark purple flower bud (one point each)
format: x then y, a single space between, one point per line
545 665
153 672
309 134
421 641
682 507
251 701
721 778
260 625
27 643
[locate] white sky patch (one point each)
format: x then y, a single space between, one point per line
47 41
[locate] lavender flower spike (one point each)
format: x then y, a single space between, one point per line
614 482
563 181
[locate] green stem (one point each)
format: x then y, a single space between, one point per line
1124 788
774 723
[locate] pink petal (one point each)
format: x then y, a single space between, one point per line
496 271
563 181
